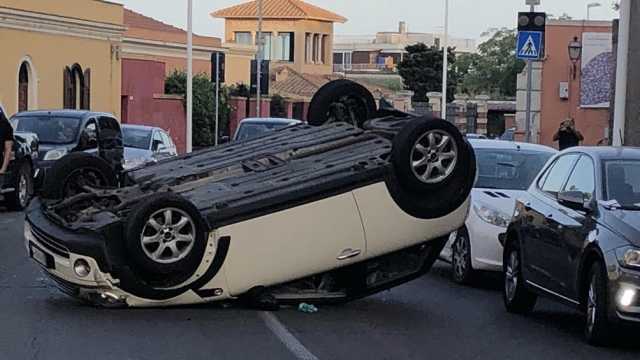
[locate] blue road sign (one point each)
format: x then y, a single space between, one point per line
529 45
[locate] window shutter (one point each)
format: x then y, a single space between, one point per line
86 91
67 91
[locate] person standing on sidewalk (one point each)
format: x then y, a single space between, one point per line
567 136
6 141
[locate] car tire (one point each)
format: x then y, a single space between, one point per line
429 200
461 267
598 329
165 240
517 298
20 198
69 174
341 101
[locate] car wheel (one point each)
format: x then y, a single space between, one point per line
433 169
165 239
598 329
462 269
341 101
73 172
19 199
517 298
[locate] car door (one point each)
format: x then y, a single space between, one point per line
575 227
110 142
541 241
158 147
88 140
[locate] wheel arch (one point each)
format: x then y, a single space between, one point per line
591 255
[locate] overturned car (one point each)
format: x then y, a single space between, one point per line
357 201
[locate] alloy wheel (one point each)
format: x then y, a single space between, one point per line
23 190
460 257
434 157
512 275
168 236
592 307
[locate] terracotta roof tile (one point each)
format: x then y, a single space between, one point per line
143 27
279 9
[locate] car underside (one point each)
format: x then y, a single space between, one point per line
292 215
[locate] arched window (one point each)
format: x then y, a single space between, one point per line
77 88
23 87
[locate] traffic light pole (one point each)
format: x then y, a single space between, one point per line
527 126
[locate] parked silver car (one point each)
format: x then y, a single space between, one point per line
146 144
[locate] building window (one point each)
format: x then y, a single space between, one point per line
266 46
308 48
77 88
23 87
243 38
325 49
316 48
283 47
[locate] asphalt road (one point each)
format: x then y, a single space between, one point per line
429 318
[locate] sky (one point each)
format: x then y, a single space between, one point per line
468 18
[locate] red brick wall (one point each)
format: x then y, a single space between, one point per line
143 102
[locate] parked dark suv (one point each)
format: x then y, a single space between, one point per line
67 131
575 237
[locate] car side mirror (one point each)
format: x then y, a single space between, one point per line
574 200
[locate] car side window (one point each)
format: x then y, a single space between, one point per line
157 143
558 173
166 139
89 136
583 178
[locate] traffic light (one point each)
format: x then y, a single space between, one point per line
215 56
532 21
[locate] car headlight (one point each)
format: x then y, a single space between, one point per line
55 154
491 216
628 257
134 163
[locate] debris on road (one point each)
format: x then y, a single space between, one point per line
307 308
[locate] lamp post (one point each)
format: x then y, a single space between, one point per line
189 76
575 53
445 59
259 61
590 6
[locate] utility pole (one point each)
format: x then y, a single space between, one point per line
619 115
217 96
445 60
189 76
529 86
259 61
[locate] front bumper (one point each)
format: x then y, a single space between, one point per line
58 262
624 287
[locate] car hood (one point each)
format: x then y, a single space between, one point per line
503 201
624 222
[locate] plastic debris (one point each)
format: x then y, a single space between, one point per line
307 308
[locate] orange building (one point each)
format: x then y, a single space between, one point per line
562 90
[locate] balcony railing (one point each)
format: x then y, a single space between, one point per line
362 68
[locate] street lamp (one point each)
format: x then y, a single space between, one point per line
590 6
189 137
575 53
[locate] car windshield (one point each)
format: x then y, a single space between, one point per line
622 183
508 169
50 130
137 138
252 130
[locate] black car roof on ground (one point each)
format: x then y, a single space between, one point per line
82 114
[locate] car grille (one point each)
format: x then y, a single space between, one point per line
66 287
50 243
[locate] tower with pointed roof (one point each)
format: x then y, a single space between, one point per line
296 34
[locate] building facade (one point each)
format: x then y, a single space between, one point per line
60 54
563 89
295 33
385 50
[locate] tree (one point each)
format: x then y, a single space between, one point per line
421 71
278 108
494 70
203 106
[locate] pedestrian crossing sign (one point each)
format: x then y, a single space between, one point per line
529 45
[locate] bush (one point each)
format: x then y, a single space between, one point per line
278 108
203 106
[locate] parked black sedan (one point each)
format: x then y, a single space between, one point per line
575 236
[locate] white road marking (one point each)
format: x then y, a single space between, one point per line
287 338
